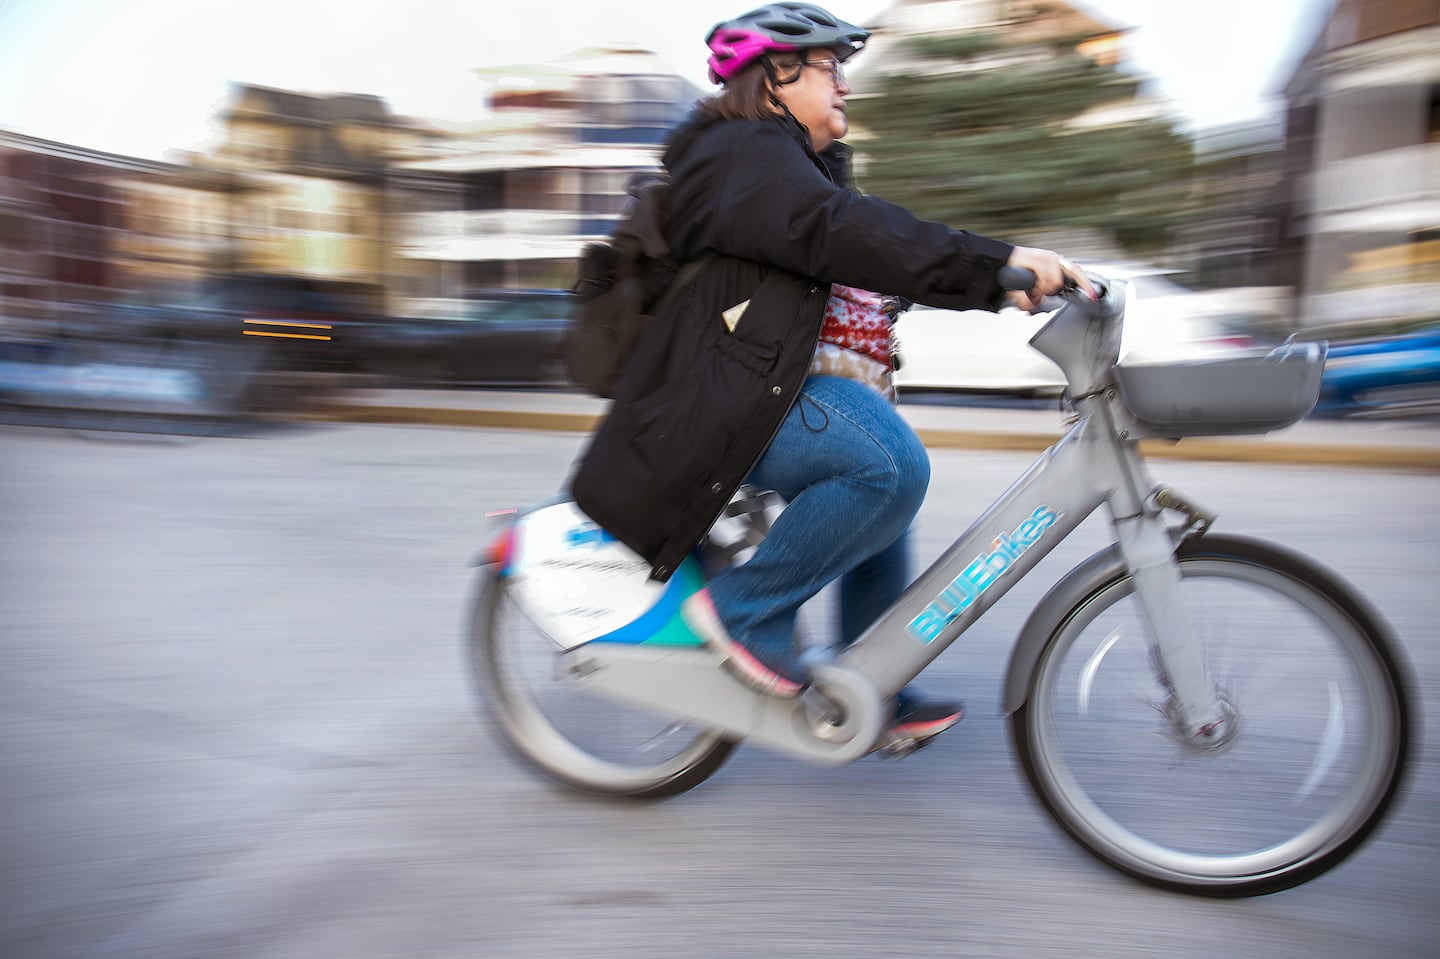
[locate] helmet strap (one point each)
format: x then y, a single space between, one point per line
776 101
789 116
775 81
769 67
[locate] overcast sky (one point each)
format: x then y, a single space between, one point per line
139 77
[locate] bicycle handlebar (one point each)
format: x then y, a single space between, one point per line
1019 279
1016 278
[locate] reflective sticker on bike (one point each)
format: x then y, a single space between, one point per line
982 573
580 584
588 534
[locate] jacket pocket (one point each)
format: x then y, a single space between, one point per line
684 431
756 360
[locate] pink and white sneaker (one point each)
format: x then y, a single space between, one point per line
770 672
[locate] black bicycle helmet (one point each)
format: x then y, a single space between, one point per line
778 27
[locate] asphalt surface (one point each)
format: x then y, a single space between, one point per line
236 722
942 423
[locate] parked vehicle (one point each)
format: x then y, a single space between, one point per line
1397 375
980 351
306 325
499 337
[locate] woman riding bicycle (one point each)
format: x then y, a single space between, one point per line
772 365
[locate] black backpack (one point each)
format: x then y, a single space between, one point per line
622 282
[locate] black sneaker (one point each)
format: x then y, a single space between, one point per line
920 719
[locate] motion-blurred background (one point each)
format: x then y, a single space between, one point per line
308 238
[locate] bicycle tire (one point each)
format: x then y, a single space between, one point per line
1111 769
584 743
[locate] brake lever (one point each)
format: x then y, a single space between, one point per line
1072 287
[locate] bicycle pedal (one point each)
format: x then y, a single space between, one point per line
892 746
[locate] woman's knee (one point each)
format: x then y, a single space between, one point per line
912 468
897 453
898 467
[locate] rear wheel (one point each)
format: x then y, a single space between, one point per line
1314 745
551 723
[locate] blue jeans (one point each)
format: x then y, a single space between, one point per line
853 474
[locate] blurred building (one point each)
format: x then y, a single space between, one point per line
338 190
509 201
296 189
23 277
81 226
60 216
1238 237
1362 164
307 179
174 228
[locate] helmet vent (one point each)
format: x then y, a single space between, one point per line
785 27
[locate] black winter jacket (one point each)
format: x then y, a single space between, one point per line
700 398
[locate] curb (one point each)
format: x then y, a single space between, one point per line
442 416
1240 450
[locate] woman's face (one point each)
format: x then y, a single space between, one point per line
817 98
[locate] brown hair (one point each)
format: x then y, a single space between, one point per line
746 95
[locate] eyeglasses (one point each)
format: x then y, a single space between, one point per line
833 67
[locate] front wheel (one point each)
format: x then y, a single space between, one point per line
1315 703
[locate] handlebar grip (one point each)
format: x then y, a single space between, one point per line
1024 280
1016 278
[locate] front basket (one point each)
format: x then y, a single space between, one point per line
1247 393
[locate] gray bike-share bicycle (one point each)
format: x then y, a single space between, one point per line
1205 712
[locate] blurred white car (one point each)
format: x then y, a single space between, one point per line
978 351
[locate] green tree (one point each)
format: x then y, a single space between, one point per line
995 149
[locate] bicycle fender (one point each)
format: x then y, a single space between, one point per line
1103 567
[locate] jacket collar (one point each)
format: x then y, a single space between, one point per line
834 161
836 158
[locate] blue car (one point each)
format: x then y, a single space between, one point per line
1394 375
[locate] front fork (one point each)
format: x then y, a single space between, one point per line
1196 708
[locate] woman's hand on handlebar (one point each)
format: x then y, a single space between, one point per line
1053 274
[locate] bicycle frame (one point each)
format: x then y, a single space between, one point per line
1093 463
1097 461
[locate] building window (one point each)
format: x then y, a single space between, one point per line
603 191
485 191
635 109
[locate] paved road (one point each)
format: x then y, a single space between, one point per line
234 722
